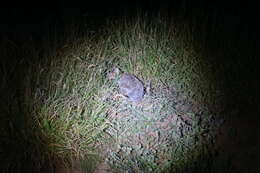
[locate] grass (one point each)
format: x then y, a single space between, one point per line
70 117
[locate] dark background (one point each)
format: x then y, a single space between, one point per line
27 16
235 22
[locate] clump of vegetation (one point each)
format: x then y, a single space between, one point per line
78 115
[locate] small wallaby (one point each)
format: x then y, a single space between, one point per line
129 85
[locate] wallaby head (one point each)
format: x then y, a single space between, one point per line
114 73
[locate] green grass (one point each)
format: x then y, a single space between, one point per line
71 116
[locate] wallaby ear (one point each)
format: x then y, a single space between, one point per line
113 73
116 70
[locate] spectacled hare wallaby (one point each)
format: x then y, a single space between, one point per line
129 85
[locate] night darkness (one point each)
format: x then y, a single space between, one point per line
33 37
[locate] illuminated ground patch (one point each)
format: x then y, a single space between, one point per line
156 134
